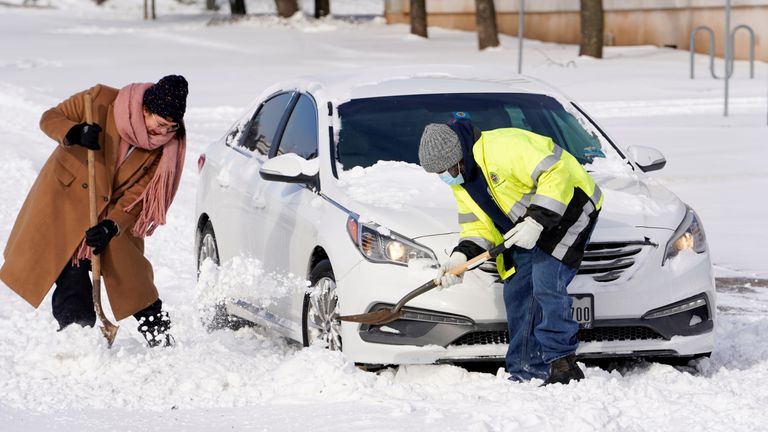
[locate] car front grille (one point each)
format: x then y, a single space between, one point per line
598 334
610 334
483 338
606 262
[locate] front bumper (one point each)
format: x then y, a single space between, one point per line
610 338
468 321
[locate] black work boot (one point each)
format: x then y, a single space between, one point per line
154 325
155 330
563 370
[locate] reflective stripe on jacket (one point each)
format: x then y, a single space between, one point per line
477 227
528 175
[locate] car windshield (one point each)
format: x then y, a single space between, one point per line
389 128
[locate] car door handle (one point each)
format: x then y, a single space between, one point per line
258 202
222 181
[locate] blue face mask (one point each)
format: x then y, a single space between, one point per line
451 180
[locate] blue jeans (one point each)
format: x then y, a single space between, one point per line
541 327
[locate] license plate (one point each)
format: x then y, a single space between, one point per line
582 308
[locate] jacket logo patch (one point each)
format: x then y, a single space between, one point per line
494 178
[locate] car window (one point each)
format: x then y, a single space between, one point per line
389 128
300 134
260 131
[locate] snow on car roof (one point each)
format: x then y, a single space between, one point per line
340 87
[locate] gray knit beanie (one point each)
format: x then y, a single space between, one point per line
439 148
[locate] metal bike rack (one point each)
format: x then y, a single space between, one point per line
751 47
692 49
729 47
711 50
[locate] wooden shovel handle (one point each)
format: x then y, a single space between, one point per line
457 271
108 329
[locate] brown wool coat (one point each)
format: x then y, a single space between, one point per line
52 222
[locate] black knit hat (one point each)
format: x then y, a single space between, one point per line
168 98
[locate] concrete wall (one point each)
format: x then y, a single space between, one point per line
627 22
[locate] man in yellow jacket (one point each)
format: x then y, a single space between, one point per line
520 188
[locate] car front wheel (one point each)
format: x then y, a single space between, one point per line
321 308
208 248
215 316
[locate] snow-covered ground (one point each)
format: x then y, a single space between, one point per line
248 380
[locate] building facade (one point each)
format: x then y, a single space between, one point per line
627 22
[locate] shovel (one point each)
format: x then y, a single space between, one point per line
387 315
108 329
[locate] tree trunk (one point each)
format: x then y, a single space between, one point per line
286 8
149 9
322 8
591 28
485 17
237 7
211 5
419 18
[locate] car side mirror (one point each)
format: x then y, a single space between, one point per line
647 158
291 168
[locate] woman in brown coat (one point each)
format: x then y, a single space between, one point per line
139 141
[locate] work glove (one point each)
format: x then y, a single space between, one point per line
99 235
84 134
447 279
525 234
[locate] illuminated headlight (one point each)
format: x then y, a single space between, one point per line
688 236
379 244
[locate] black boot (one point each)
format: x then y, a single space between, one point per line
154 325
563 370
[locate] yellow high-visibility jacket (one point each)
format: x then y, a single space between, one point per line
529 175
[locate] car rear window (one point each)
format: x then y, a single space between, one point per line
389 128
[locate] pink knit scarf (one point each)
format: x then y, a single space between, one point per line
159 193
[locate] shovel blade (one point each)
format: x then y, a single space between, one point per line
110 333
379 317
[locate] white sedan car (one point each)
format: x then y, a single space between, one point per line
320 179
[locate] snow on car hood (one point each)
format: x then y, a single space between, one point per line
406 199
400 196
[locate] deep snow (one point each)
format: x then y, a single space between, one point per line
249 380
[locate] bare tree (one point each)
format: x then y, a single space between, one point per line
419 18
237 7
322 8
485 17
149 9
591 28
286 8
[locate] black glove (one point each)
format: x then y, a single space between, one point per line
86 135
98 236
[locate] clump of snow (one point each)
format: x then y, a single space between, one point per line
244 277
611 165
395 185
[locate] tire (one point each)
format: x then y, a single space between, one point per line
321 308
208 248
216 318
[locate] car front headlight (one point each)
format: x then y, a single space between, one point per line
688 236
379 244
